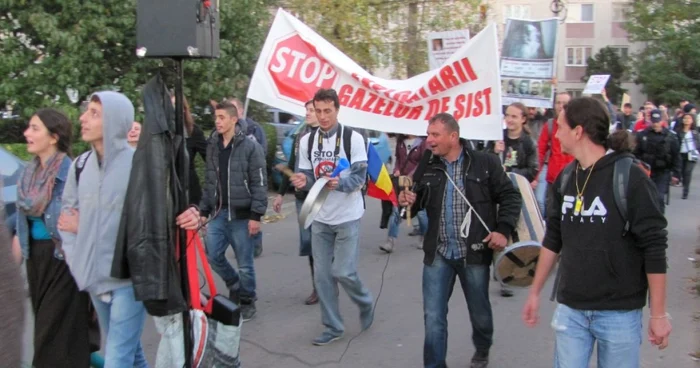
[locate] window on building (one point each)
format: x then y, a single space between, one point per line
579 13
622 52
577 55
516 11
575 92
619 12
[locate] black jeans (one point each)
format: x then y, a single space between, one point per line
687 174
662 181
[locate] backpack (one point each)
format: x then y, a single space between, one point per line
621 178
80 164
346 133
347 141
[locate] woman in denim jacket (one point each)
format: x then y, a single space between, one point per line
60 309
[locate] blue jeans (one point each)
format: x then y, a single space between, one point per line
335 261
220 233
257 239
618 333
121 321
541 190
438 283
304 235
395 223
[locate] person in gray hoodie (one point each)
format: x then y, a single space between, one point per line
12 295
92 205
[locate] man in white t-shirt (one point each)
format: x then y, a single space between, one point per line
335 232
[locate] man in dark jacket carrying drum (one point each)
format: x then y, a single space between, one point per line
472 208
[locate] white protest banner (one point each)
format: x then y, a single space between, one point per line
295 62
441 45
595 84
527 62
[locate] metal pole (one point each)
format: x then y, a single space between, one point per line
182 202
557 7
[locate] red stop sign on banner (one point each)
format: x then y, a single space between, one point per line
298 71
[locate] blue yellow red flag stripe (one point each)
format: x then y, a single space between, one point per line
379 185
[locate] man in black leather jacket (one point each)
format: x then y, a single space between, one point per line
462 234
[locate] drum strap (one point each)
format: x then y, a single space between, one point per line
466 224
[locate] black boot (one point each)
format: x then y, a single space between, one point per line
480 359
313 298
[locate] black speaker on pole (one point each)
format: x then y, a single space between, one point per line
177 28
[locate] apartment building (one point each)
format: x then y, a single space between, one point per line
586 26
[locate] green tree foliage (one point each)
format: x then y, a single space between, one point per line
607 61
386 33
669 66
50 46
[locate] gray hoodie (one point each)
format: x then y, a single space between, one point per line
12 293
99 199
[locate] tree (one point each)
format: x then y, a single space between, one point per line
607 61
669 66
51 47
386 33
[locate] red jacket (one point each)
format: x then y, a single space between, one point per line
557 159
642 124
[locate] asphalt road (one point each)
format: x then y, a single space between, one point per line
281 333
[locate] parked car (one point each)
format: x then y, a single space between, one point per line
11 167
380 140
283 122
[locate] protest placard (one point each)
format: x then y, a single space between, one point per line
595 84
527 62
441 45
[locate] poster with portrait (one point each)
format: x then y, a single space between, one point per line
441 45
528 61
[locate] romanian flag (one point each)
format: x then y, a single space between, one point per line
379 185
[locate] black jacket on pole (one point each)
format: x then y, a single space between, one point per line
145 249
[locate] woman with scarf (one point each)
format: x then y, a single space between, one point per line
60 309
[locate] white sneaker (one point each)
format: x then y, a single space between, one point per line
388 246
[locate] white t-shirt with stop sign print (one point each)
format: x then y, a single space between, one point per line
339 207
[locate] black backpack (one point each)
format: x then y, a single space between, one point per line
347 147
621 179
80 164
347 141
